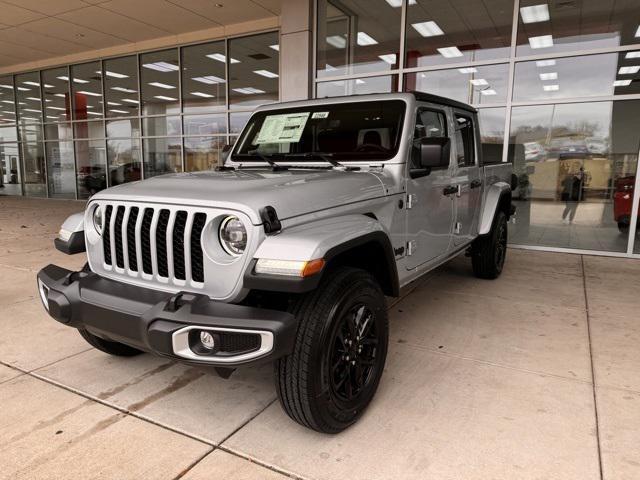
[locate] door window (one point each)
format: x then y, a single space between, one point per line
465 149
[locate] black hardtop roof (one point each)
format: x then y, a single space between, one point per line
429 97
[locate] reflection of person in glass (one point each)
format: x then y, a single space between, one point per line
572 194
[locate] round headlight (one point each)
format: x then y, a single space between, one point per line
98 219
233 236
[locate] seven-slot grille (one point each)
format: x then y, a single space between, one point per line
154 241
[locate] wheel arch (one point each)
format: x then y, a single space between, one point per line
498 198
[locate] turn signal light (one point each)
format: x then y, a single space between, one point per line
290 268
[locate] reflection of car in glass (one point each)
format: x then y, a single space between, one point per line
596 146
129 172
568 148
533 151
93 178
623 202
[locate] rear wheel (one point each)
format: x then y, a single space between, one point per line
489 252
107 346
339 354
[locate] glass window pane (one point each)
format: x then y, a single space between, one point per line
60 169
202 153
123 128
125 160
7 101
86 86
253 70
30 133
89 129
492 133
384 84
357 37
9 169
33 167
121 86
162 155
454 31
474 85
566 26
58 131
161 126
8 133
214 124
55 84
91 164
28 93
159 82
203 78
571 159
237 121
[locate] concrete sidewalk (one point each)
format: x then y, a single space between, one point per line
483 380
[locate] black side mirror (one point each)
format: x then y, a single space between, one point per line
434 152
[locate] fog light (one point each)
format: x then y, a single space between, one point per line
207 341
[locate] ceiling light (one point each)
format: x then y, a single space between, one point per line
428 29
209 79
337 41
549 76
162 97
161 66
543 41
629 70
115 104
203 95
4 85
122 89
633 55
23 89
161 85
75 80
621 83
29 118
364 39
266 73
30 110
118 111
60 95
390 58
398 3
488 91
113 74
95 113
7 111
55 117
91 94
450 52
551 88
8 101
478 82
535 13
130 100
468 70
221 58
275 47
545 63
248 90
35 84
33 98
57 108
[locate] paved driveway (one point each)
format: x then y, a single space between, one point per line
483 380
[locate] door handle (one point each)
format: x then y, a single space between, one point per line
476 183
450 190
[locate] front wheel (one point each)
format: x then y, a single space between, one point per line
489 252
332 374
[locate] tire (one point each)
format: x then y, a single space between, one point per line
489 252
106 346
326 383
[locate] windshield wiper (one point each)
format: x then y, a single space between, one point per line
327 157
264 158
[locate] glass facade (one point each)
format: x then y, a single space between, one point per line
71 131
557 87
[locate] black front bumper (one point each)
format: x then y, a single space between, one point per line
148 319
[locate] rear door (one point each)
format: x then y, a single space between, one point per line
430 211
467 177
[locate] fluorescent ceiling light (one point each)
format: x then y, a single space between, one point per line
7 111
203 95
60 95
545 63
468 70
55 117
29 118
633 55
30 110
629 70
75 80
337 41
95 113
162 97
488 91
549 76
478 82
398 3
209 79
33 98
122 89
35 84
266 73
248 90
161 85
8 101
161 66
129 100
621 83
114 104
57 108
4 85
543 41
390 58
365 39
450 52
535 13
275 47
118 111
91 94
428 29
221 58
23 89
113 74
551 88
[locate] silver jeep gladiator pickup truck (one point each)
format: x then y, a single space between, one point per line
285 253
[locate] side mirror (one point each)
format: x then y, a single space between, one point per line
434 152
70 239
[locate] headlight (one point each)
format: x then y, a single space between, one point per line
233 236
98 219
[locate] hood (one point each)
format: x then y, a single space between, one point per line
291 192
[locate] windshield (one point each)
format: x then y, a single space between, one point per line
344 131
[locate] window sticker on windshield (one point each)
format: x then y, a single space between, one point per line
320 115
285 128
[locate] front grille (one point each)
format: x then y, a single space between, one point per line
158 241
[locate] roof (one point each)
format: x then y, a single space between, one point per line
429 97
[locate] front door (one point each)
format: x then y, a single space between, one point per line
430 210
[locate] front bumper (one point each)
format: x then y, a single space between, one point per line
164 323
